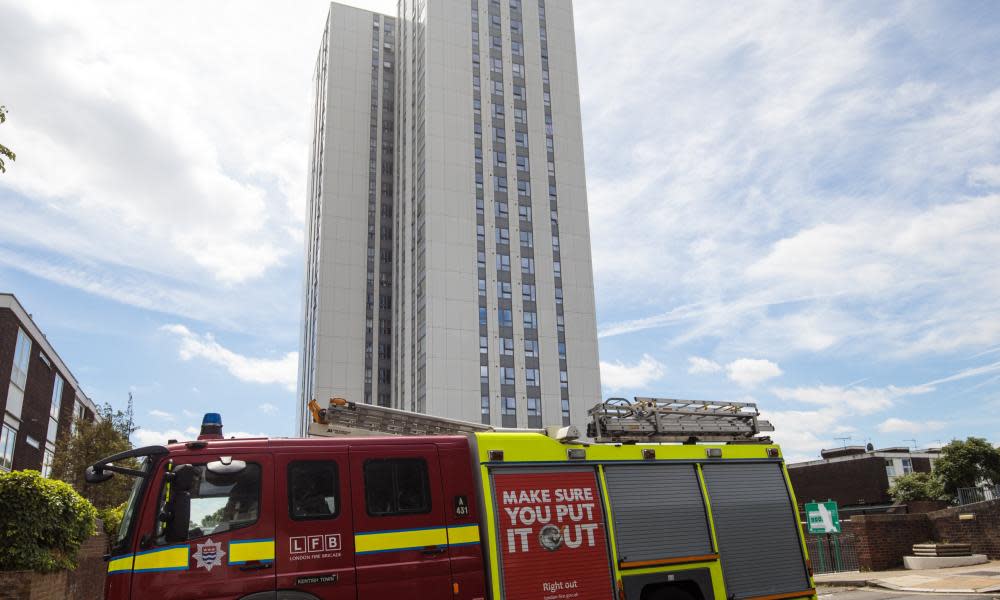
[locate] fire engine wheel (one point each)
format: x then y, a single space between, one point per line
669 592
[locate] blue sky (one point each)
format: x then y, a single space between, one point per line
794 203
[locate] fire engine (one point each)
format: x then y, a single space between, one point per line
659 499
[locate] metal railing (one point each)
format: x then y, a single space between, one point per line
833 553
978 494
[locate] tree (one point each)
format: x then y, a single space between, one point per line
968 463
917 486
5 152
92 441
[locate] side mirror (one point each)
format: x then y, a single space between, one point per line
226 466
91 475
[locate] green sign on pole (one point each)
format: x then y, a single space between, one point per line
822 517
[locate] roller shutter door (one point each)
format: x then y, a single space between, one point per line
756 528
658 511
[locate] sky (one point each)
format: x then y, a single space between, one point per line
791 203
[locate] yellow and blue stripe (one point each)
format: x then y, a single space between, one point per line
397 540
244 551
169 558
120 564
463 535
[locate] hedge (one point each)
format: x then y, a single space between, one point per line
112 519
43 522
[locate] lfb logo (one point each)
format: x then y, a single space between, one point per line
329 542
208 555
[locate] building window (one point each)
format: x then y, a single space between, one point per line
531 377
530 320
531 348
534 412
499 158
19 374
523 188
506 317
509 406
503 262
528 292
565 411
502 235
57 391
527 265
503 289
527 239
482 315
564 380
501 209
907 466
482 287
484 344
524 213
484 374
47 463
507 375
499 181
890 468
7 440
506 346
484 403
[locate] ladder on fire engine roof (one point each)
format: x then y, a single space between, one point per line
669 420
644 420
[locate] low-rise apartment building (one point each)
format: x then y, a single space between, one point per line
40 399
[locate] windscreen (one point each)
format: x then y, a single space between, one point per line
131 505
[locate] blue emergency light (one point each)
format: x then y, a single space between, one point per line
211 427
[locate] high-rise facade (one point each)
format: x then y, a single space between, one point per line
448 246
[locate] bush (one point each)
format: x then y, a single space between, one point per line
112 519
917 486
43 523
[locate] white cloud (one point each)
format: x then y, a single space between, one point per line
255 370
268 409
698 365
620 376
749 372
160 414
857 400
985 175
896 425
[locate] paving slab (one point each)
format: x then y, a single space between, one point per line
978 579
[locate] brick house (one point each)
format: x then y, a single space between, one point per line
40 399
857 477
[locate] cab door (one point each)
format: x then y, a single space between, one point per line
401 538
229 550
313 517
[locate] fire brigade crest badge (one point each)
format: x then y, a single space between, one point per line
209 555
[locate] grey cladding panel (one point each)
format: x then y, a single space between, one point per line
658 511
757 531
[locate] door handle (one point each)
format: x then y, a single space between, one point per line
433 550
256 566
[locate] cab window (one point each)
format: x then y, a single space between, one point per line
397 486
221 503
313 490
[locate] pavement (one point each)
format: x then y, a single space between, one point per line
975 579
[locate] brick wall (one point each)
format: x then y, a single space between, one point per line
883 540
983 532
85 583
850 482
